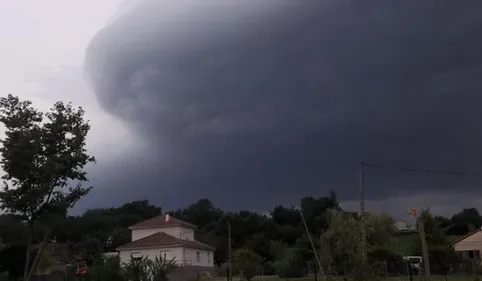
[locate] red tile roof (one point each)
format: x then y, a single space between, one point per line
162 221
164 240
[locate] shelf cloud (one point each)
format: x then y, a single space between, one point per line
254 103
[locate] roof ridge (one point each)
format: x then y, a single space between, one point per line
159 233
186 241
173 241
463 237
181 221
174 237
162 220
170 236
152 235
131 242
197 241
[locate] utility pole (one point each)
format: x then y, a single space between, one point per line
363 233
312 245
426 260
230 266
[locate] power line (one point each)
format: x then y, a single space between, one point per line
425 171
403 169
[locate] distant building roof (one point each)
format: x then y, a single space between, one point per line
164 240
162 221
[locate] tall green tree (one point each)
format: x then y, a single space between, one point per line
343 239
43 157
314 211
12 229
465 221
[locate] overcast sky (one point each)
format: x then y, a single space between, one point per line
255 103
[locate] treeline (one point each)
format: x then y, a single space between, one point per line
267 238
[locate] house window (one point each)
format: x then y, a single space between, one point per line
136 256
164 254
198 256
209 257
475 254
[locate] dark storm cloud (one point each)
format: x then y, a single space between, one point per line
252 103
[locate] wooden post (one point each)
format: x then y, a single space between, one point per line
230 266
362 217
409 266
426 260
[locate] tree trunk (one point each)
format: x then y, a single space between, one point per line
27 254
39 254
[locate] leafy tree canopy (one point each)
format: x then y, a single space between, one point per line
43 157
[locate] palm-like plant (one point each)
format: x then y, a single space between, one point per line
145 269
160 267
137 270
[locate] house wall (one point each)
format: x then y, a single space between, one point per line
176 253
176 231
401 225
205 257
182 256
192 273
473 242
186 234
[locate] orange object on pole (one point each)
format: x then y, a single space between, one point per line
412 212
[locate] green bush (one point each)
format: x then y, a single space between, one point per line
291 266
269 268
246 262
12 260
288 269
4 276
108 270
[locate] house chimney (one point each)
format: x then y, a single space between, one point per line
167 217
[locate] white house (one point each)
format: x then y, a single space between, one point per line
166 236
402 226
469 246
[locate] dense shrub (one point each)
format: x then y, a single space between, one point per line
269 268
12 260
246 262
291 266
107 270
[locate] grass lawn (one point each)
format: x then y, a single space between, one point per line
402 278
